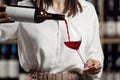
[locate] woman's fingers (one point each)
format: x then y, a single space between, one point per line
91 70
87 71
96 71
3 6
3 14
5 20
93 67
93 63
2 11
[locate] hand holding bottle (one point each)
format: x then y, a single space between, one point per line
3 14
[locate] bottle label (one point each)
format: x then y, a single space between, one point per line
3 68
20 13
13 68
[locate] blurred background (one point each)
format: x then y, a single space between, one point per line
109 17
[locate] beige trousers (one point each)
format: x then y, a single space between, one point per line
59 76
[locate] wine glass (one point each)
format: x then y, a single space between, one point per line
71 37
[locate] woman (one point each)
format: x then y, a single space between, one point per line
41 51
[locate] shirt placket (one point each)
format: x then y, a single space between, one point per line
58 47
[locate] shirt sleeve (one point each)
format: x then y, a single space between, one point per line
94 48
8 31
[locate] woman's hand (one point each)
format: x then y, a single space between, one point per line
3 15
92 67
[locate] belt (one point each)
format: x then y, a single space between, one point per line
36 75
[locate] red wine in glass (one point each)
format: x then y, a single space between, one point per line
73 44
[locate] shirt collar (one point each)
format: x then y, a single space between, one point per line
82 2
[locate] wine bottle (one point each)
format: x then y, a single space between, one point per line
13 69
4 63
109 68
31 14
115 56
109 8
108 57
110 27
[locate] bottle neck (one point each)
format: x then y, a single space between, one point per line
41 15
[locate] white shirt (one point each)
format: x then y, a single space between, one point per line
41 47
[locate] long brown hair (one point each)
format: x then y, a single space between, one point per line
71 6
